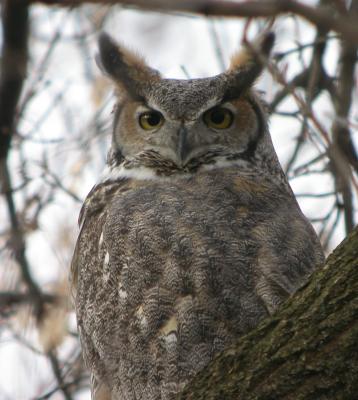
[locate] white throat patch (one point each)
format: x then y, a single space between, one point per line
145 173
139 173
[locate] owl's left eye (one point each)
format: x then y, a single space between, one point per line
218 118
151 120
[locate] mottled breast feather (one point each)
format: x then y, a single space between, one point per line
168 275
192 236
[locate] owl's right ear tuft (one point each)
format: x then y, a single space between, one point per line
125 68
251 52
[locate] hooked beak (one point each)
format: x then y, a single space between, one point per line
183 145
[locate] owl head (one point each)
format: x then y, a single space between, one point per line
183 121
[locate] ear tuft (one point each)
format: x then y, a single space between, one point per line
123 66
247 65
109 55
266 43
252 53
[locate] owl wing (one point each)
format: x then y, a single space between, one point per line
83 271
288 253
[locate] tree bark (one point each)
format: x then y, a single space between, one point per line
307 350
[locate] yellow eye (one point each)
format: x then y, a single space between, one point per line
218 118
151 120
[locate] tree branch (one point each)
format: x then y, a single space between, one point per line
13 67
319 16
307 350
13 71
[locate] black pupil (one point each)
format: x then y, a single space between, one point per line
153 118
218 116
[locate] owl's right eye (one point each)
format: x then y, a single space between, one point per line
151 120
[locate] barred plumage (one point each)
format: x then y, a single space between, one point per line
193 235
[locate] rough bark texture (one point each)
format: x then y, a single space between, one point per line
308 350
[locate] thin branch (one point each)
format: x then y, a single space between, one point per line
314 83
39 74
59 185
217 46
57 370
301 169
299 48
18 241
16 298
315 195
342 150
304 107
74 383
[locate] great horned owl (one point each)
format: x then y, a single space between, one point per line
192 236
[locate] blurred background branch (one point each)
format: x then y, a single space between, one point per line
15 23
319 16
13 67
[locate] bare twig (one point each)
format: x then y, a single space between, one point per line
314 78
342 150
16 298
57 370
13 71
18 242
